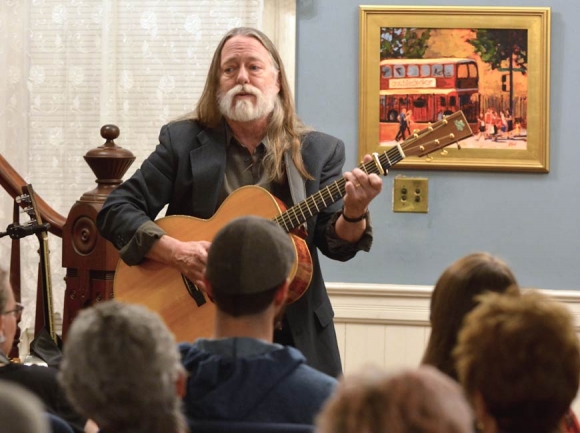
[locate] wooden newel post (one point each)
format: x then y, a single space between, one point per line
91 260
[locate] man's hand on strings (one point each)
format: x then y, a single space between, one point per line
361 189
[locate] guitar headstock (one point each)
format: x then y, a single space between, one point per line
438 135
27 202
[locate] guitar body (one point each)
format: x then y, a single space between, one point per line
162 288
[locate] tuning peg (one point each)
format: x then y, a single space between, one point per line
20 198
458 146
443 152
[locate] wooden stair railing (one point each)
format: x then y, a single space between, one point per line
89 258
12 182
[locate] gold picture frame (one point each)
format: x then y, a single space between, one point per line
445 31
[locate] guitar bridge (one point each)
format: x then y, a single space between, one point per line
194 291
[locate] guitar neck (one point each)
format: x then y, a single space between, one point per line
46 285
316 203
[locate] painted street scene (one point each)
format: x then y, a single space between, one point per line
426 74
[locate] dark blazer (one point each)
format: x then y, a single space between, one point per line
186 171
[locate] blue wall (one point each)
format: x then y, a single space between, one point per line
529 220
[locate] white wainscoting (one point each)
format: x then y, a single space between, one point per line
388 325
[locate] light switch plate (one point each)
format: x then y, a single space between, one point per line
411 194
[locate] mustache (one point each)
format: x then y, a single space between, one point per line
243 89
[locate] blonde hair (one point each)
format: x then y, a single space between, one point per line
285 130
521 354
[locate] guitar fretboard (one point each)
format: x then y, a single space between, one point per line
306 209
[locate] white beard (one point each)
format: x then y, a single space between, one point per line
245 110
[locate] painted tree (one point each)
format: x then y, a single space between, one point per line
497 47
403 43
503 48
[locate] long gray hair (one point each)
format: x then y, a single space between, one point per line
285 130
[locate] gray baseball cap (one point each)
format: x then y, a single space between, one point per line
249 255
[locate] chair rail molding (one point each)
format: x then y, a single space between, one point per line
405 304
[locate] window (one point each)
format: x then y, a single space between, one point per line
413 71
462 71
437 70
464 99
448 70
420 102
472 70
386 71
399 71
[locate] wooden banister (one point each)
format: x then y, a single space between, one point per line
12 182
90 260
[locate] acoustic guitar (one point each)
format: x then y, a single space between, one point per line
37 226
47 344
186 310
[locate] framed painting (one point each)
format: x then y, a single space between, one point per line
421 64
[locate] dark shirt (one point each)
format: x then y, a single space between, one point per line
244 379
42 381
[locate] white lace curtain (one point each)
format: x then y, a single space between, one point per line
72 66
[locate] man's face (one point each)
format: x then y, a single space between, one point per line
249 82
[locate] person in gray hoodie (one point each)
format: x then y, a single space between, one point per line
240 374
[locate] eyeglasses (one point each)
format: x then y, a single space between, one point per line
17 311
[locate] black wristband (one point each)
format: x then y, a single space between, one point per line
354 220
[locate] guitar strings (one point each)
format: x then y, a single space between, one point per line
299 213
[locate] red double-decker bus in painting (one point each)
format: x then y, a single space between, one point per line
430 88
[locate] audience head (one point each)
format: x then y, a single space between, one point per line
248 264
518 360
455 295
122 369
423 400
21 411
10 312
